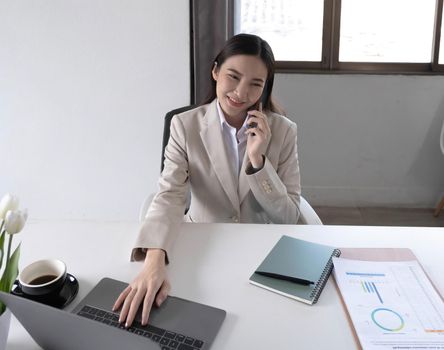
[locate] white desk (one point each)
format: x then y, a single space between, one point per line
211 264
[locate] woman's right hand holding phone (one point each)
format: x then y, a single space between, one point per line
150 286
258 132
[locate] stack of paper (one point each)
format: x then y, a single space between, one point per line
392 305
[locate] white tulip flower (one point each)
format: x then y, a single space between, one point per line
15 220
8 202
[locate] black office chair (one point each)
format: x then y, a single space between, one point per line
308 215
166 129
166 136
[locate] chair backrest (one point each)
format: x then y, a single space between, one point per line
166 128
308 215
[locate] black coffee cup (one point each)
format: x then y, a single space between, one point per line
43 277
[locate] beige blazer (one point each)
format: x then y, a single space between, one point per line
196 160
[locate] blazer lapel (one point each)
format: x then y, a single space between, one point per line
214 144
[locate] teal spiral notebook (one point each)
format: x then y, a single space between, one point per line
296 268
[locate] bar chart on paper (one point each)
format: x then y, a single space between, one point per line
392 305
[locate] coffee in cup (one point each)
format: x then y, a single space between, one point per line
42 277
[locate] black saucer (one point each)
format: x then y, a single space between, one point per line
59 299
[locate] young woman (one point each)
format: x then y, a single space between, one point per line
236 155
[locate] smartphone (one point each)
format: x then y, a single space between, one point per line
258 106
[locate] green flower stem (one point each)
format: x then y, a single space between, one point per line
2 244
3 306
9 252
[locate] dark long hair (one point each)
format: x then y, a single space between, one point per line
247 44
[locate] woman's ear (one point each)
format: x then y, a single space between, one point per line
215 71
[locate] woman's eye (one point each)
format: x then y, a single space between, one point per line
233 76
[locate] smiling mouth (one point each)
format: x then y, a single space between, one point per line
235 103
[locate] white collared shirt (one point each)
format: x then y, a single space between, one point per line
235 143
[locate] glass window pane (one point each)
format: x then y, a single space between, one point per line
293 28
386 31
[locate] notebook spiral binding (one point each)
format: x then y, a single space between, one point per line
324 277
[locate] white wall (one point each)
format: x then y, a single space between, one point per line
368 140
84 86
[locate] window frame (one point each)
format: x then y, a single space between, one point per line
330 49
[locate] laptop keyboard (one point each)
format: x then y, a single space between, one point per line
167 340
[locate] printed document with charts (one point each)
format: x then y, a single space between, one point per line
392 305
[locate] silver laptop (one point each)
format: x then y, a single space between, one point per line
176 324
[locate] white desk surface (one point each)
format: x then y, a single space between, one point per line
211 264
